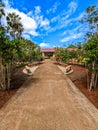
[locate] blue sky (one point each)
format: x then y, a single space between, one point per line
51 23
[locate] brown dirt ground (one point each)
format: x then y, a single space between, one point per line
79 77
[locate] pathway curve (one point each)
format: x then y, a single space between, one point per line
48 101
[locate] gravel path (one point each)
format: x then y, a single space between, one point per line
48 101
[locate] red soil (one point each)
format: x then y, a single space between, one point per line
79 78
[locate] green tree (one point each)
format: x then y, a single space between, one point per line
4 56
14 25
27 50
71 46
63 54
1 11
91 48
14 50
91 19
72 54
8 52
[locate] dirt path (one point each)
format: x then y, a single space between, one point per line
48 101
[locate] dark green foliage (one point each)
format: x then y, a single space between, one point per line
63 54
71 46
91 48
73 54
14 52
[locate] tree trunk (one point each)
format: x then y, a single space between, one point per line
92 83
96 79
2 81
87 73
8 75
5 73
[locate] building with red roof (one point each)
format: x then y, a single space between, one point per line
72 49
47 52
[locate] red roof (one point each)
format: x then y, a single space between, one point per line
48 50
72 49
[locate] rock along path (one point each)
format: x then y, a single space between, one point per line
48 101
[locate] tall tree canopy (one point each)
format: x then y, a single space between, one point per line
91 19
91 46
15 26
13 49
1 10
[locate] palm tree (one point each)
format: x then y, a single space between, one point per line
1 11
91 18
15 26
19 30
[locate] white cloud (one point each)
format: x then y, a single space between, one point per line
74 30
29 24
65 14
6 3
30 13
25 9
71 37
40 19
31 21
35 22
53 8
79 17
72 6
44 23
63 19
75 33
43 45
26 36
37 10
